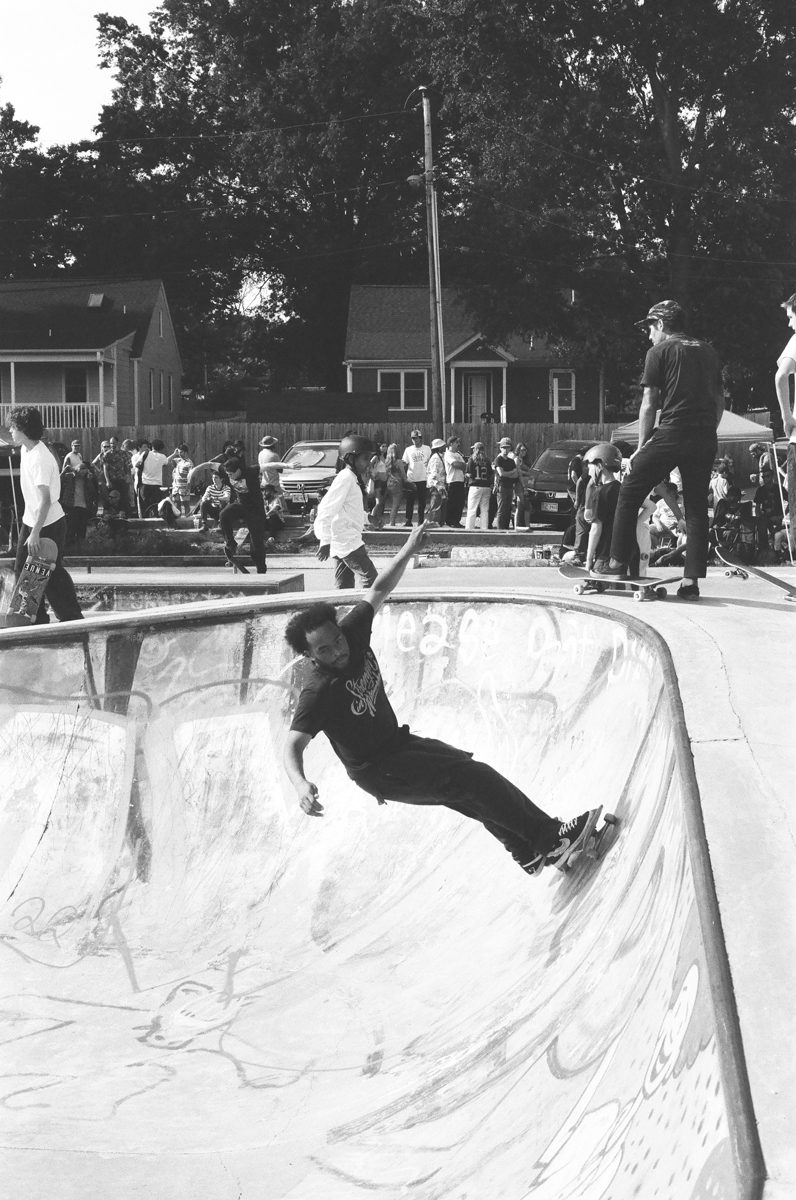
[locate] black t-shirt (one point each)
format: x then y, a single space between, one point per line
688 374
246 491
607 497
351 709
506 464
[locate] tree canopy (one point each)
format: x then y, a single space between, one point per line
590 159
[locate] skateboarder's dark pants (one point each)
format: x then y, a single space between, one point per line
426 771
693 451
233 515
60 592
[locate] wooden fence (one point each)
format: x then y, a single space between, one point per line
205 439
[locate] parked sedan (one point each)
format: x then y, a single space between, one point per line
309 470
547 481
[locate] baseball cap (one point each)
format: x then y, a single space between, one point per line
668 311
505 442
415 433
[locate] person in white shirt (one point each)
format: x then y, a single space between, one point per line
786 369
455 464
268 461
415 457
149 473
341 516
43 516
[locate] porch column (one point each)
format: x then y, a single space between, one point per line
504 408
101 381
136 398
13 372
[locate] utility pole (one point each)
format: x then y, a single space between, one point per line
434 283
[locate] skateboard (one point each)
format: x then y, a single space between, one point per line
743 570
28 591
647 587
232 561
594 842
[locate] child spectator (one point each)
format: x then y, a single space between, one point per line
274 510
180 487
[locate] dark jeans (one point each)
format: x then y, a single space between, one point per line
356 565
426 771
60 592
505 503
420 496
76 523
209 511
455 506
693 451
233 515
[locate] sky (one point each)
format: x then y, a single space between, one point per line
49 63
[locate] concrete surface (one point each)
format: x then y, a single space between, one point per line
208 994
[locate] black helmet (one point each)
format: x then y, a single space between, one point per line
607 453
355 443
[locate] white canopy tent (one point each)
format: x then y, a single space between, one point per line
732 428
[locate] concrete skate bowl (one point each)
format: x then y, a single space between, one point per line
208 994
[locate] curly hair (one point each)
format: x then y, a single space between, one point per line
27 420
307 620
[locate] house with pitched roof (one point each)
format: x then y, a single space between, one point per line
89 352
388 351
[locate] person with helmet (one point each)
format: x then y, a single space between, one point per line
343 696
341 516
506 476
604 462
682 382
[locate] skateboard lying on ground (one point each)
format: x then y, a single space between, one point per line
647 587
735 566
29 589
593 843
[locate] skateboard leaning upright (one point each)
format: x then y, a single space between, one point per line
29 589
645 587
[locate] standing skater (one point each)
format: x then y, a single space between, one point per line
43 516
786 369
344 698
341 516
682 379
246 508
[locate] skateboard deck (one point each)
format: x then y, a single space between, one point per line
596 841
735 566
233 562
29 589
647 587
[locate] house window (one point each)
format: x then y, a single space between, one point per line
75 385
171 394
151 391
161 389
160 321
403 389
565 380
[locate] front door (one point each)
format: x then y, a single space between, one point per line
476 398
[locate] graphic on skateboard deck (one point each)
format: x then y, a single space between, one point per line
647 587
736 566
595 843
29 589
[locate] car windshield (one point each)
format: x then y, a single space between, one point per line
312 456
554 460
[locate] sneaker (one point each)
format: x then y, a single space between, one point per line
572 837
534 865
612 572
688 591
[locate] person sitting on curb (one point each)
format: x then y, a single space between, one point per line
344 697
341 516
216 496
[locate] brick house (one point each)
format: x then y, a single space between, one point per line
388 351
89 352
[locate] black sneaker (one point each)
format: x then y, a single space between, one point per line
609 571
534 864
688 591
572 837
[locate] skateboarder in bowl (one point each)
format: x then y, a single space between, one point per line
43 516
344 698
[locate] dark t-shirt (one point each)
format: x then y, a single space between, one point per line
688 374
351 709
506 464
606 507
246 492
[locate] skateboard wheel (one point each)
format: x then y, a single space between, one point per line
610 819
661 593
579 589
728 573
638 596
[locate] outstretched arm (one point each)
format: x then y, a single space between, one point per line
389 577
306 791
